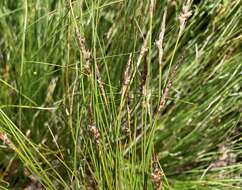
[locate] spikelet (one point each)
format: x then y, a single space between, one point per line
92 126
156 178
101 86
157 174
167 89
87 67
184 15
85 52
6 140
159 42
95 133
126 79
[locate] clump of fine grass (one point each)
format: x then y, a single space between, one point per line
120 94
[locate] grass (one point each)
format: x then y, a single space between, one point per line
120 94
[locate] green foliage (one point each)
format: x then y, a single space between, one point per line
87 103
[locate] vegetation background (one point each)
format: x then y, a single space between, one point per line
120 94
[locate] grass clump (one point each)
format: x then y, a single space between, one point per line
122 94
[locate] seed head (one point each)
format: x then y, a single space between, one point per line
6 140
156 178
185 14
95 133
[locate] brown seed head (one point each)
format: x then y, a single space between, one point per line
156 178
95 132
